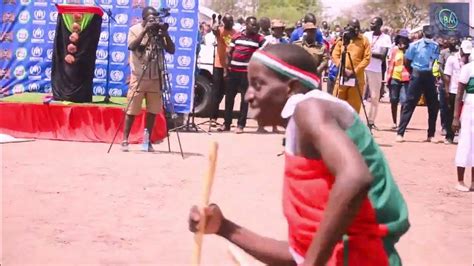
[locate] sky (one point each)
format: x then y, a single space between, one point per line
333 7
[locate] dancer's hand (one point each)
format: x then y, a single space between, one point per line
456 124
214 219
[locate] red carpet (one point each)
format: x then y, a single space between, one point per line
71 122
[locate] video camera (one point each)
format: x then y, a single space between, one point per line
349 33
158 25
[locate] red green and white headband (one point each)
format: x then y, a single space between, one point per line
307 78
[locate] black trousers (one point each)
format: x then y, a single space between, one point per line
218 89
450 116
421 82
236 82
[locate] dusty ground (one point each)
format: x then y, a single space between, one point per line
71 203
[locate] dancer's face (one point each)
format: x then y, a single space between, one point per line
267 94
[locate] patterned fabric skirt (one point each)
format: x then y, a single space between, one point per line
465 150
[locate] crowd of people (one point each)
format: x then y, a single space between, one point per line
416 67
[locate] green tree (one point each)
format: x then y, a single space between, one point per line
223 6
395 13
289 11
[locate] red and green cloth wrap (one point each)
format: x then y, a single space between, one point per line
383 216
381 221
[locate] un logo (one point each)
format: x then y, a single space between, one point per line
21 54
39 14
185 42
49 54
182 80
122 2
116 75
100 73
180 98
18 88
99 90
169 58
33 87
24 17
120 37
101 54
118 57
22 35
187 23
47 72
51 35
53 16
184 61
38 33
171 21
104 36
37 51
115 92
19 72
188 4
122 19
172 3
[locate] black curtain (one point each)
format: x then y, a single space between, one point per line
74 82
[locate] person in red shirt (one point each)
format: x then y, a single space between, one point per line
242 47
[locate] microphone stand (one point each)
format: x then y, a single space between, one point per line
110 16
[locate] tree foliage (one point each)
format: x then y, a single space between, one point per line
289 11
395 13
223 6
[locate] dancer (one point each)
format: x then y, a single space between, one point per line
340 199
465 122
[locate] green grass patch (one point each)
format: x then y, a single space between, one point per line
38 98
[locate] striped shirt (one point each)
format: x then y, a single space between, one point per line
243 46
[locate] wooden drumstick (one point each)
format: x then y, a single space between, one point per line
206 193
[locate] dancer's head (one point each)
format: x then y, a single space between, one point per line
276 73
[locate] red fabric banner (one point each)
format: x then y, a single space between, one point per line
74 123
69 9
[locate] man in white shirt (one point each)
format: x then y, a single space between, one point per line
452 70
380 43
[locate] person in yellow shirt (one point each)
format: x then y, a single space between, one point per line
398 76
360 53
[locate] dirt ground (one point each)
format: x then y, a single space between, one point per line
68 203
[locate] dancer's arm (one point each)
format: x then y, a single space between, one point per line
457 107
266 250
319 128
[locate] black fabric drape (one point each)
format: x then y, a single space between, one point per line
74 82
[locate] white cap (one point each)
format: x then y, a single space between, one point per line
466 47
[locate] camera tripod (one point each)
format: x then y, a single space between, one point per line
157 52
190 124
341 78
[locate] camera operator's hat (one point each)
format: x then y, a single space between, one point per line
466 47
309 26
276 23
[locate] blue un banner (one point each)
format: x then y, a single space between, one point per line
27 34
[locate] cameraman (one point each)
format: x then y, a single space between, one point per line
358 47
141 38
